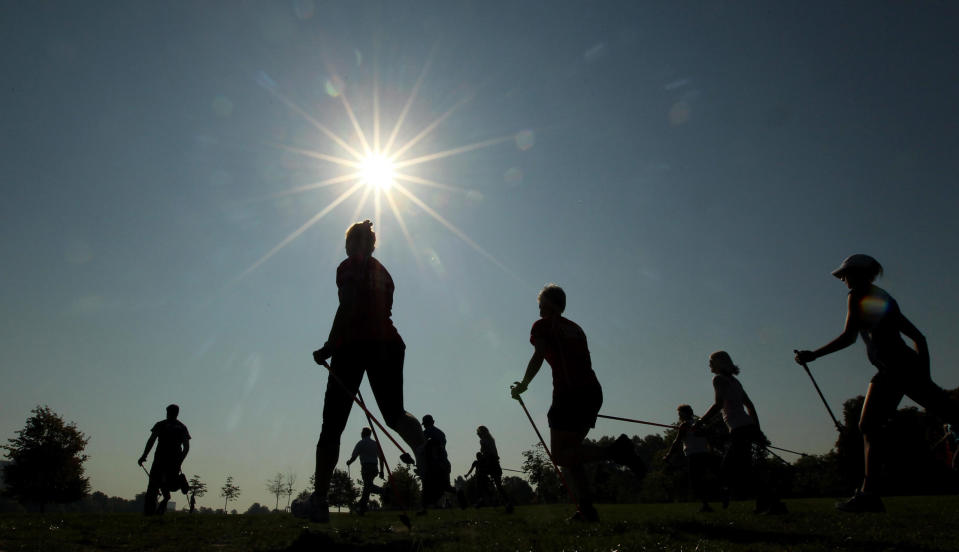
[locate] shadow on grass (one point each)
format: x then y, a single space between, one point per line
742 535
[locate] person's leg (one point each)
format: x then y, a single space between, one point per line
336 409
368 473
570 453
385 374
881 401
150 498
934 399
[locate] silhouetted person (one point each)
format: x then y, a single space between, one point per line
362 340
434 453
371 465
577 397
902 370
173 445
489 473
738 472
698 456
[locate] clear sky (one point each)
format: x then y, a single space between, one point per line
689 172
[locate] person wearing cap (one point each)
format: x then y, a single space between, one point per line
371 465
173 440
577 398
902 370
362 340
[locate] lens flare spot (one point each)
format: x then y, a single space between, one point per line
334 86
525 139
303 9
513 176
680 113
873 307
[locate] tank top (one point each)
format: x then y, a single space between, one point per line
731 395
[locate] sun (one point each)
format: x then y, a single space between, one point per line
377 171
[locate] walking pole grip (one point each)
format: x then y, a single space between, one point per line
816 385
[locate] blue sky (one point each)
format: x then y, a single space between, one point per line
689 173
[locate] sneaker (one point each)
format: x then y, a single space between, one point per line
586 513
860 503
623 452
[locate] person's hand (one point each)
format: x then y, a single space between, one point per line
517 389
803 357
381 475
348 462
320 355
142 460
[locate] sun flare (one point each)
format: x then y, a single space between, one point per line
377 172
380 171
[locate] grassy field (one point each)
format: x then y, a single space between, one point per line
912 523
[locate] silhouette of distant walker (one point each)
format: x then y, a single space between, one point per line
165 475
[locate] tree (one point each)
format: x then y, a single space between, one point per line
342 490
257 508
518 490
46 461
197 489
229 491
402 490
276 487
288 487
541 473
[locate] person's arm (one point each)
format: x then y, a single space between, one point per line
186 450
845 339
470 470
909 330
532 368
673 448
750 408
344 310
717 405
146 450
356 452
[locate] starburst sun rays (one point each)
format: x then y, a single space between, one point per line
378 170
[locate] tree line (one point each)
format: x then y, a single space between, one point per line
45 469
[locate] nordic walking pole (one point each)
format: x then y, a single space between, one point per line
816 385
368 414
634 421
674 427
549 454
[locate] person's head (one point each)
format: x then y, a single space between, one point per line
172 411
482 431
685 412
721 363
360 239
427 421
858 270
552 301
365 432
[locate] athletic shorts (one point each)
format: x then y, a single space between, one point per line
575 412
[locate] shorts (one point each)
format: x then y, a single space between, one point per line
575 412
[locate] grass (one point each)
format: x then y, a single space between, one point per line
912 523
